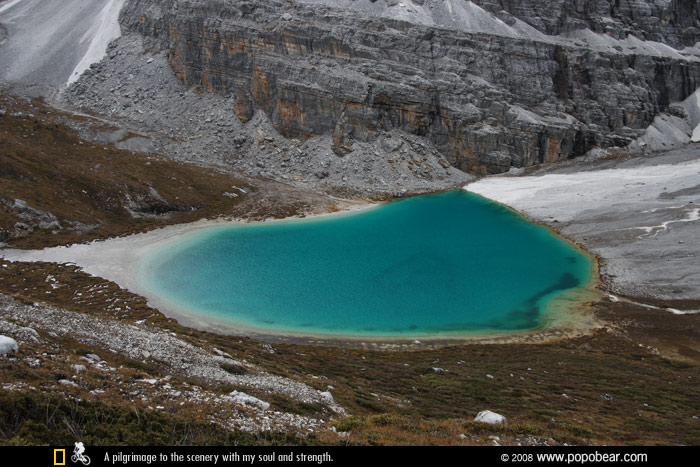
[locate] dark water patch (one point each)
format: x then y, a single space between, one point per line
528 316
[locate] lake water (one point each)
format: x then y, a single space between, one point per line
447 264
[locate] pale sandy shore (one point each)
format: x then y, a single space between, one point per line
119 259
640 217
116 259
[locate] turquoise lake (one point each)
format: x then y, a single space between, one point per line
437 265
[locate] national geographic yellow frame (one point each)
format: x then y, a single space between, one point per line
63 452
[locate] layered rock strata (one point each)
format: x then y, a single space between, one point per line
488 101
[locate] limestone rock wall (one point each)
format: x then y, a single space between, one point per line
488 102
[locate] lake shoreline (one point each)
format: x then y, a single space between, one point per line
118 260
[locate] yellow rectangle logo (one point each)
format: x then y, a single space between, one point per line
59 460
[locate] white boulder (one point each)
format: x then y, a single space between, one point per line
486 416
327 396
8 345
245 399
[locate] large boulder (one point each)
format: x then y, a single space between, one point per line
8 345
486 416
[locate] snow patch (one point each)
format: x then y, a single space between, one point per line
9 5
103 31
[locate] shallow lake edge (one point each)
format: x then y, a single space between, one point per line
567 314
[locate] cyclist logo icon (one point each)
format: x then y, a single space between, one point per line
78 455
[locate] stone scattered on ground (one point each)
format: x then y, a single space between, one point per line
147 343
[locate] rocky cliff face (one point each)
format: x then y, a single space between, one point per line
673 22
492 84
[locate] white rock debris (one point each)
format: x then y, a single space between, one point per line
246 399
182 357
20 332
